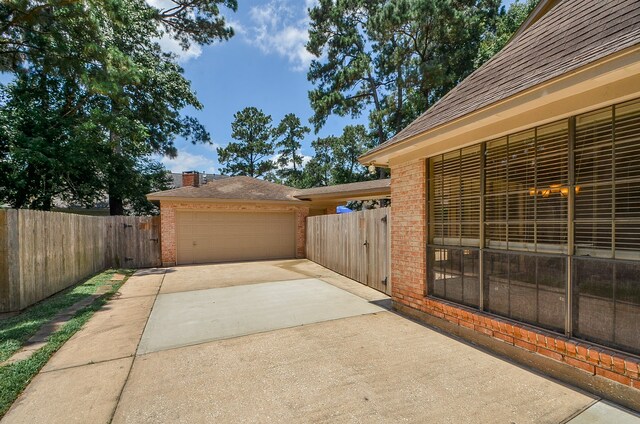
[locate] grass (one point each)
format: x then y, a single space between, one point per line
16 330
15 377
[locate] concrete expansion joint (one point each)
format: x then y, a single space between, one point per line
275 330
115 407
85 364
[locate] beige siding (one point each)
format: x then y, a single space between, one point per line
232 236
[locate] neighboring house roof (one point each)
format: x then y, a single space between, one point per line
570 35
176 178
232 188
353 191
252 189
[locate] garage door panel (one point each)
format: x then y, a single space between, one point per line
205 237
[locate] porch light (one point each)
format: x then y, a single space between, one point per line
372 168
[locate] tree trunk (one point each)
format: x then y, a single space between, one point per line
116 205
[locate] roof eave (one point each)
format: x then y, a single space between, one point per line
368 194
592 71
218 200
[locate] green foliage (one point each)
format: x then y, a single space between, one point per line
393 60
288 136
15 377
251 155
336 159
94 97
317 172
507 23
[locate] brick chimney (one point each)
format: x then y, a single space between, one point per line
191 178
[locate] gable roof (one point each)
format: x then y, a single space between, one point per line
571 35
232 188
243 188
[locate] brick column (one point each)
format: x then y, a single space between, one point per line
301 232
168 230
408 232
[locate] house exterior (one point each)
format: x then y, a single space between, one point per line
244 218
516 199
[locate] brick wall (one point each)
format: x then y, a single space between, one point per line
408 256
168 222
408 233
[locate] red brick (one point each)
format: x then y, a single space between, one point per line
580 364
517 333
571 348
635 384
451 319
549 353
581 352
613 376
503 337
525 345
606 361
631 365
561 346
618 365
466 324
483 330
593 356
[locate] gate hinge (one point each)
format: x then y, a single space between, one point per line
384 281
384 218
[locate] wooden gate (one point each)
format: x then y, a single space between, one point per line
356 245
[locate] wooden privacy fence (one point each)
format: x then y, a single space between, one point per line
356 245
42 253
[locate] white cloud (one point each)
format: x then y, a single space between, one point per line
213 147
278 28
305 159
170 44
186 161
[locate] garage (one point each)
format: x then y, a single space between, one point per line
227 219
206 237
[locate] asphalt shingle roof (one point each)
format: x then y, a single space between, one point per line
571 35
233 188
253 189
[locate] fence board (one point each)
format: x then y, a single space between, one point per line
42 253
355 245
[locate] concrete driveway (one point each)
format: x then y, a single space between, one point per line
280 341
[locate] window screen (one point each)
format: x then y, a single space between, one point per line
454 201
607 167
455 274
522 185
526 287
606 303
527 187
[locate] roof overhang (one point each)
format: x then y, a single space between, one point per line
167 199
613 79
371 194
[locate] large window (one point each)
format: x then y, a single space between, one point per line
509 218
454 220
527 186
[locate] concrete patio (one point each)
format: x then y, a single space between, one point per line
281 341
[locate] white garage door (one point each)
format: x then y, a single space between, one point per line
205 237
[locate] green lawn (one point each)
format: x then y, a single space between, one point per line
16 330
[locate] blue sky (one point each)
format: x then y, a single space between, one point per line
264 66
